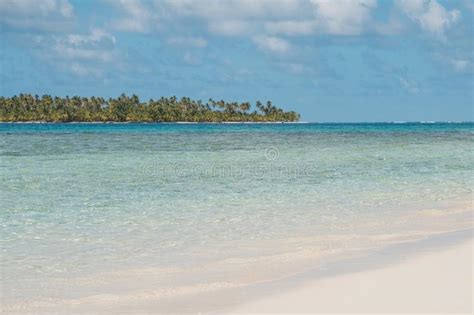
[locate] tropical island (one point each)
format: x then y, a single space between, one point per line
26 107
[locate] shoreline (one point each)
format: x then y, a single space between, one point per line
241 122
364 270
153 122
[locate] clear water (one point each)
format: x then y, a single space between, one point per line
85 200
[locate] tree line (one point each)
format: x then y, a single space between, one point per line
26 107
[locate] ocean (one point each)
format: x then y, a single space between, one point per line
159 211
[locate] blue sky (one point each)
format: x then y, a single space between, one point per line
330 60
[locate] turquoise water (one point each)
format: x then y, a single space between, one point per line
84 200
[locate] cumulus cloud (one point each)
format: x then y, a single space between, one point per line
278 17
265 22
277 27
44 15
269 23
248 17
36 7
334 17
272 44
137 16
81 54
429 15
234 9
98 46
228 18
344 17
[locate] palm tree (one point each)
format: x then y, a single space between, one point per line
27 107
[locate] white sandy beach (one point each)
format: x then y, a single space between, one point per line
429 282
434 275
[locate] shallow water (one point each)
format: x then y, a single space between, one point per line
82 203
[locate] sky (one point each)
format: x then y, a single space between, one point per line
329 60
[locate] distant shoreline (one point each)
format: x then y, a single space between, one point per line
235 122
155 122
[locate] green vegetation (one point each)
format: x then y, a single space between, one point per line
26 107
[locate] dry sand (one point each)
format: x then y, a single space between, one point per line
428 282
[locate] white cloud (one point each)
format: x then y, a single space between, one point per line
269 23
250 17
279 17
48 15
36 7
234 9
96 46
80 54
138 17
230 27
228 18
96 38
430 15
272 44
66 9
344 17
